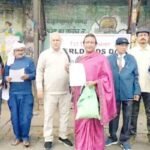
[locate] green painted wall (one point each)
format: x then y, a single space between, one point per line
67 18
84 18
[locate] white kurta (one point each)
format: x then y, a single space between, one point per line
51 72
142 57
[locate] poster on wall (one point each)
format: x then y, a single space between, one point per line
73 43
6 43
10 29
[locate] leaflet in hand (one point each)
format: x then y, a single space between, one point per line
16 75
77 74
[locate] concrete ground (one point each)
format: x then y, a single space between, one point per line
6 135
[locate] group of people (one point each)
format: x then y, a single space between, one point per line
131 74
120 81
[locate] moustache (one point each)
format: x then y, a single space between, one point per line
143 39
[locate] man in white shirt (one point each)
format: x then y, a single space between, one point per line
52 82
141 52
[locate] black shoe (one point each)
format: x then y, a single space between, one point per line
66 142
48 145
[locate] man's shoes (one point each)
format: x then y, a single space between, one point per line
26 143
48 145
125 145
66 142
110 141
16 142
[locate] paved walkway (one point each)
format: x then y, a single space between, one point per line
6 135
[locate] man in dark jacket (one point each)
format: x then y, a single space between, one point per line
127 89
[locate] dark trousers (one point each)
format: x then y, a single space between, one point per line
135 111
113 125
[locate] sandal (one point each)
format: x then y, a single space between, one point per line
26 143
16 142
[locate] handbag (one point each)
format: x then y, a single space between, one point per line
88 105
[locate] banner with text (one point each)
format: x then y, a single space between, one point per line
73 43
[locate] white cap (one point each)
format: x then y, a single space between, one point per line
18 45
11 57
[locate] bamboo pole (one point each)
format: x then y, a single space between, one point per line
134 19
36 17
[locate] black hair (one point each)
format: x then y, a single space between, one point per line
1 62
90 35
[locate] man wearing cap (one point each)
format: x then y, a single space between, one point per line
19 73
141 52
125 74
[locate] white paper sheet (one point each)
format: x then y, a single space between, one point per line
77 74
16 75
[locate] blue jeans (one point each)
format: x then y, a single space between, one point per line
113 125
21 108
135 112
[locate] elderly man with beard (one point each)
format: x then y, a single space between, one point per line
141 52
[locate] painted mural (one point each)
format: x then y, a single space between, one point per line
15 25
10 29
86 18
17 22
67 18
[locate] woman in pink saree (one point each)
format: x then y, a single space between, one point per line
89 133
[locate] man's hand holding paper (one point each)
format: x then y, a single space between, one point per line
16 75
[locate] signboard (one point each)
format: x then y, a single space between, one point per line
73 43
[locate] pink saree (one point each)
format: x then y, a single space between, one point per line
89 133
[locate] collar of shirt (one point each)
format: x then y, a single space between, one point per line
121 55
145 48
123 60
